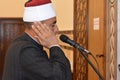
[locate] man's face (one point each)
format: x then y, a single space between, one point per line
52 24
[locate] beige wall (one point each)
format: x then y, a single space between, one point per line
64 10
15 8
11 8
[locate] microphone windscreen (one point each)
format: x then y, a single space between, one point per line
63 38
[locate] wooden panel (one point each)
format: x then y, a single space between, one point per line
111 66
97 37
9 29
80 71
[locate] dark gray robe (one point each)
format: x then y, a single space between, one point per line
26 60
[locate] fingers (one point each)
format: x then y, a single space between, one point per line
39 27
42 28
36 30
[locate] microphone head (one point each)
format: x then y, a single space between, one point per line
63 38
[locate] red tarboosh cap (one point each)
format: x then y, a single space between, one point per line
38 10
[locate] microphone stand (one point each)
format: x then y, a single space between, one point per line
86 58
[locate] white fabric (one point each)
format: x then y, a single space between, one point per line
39 13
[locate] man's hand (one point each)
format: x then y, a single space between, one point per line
45 35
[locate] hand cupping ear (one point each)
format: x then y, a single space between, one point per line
45 36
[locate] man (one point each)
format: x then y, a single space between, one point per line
25 58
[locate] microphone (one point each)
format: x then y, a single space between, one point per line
65 39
